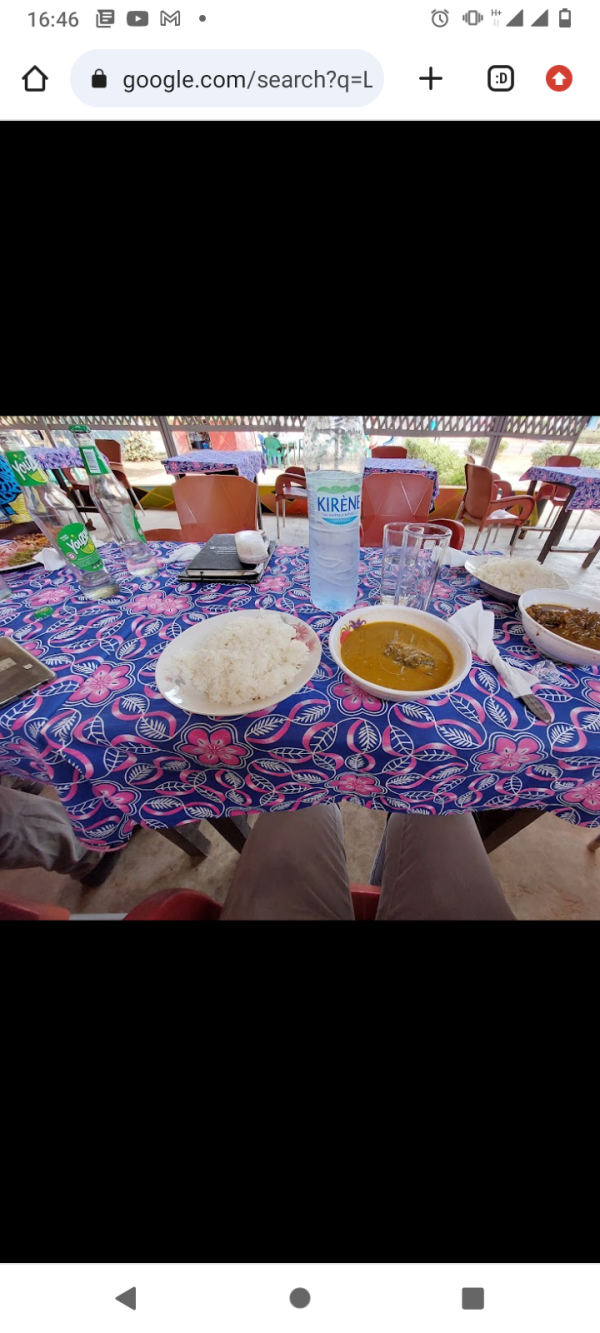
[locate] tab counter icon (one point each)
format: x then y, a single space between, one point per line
501 78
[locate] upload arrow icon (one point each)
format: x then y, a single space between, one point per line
559 78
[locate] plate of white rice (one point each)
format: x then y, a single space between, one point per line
506 577
238 663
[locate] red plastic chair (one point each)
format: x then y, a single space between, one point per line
481 502
291 485
393 498
185 905
23 909
164 535
549 491
389 451
458 531
207 504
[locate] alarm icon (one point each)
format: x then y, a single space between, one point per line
440 18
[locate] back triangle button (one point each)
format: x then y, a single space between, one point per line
128 1298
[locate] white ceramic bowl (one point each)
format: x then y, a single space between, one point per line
544 639
402 615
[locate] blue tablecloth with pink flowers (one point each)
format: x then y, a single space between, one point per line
586 481
120 755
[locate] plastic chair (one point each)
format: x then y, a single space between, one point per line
113 452
389 451
291 485
23 909
556 495
185 905
458 531
480 505
393 498
208 504
164 535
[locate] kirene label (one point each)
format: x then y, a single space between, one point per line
95 464
25 469
339 505
76 544
136 523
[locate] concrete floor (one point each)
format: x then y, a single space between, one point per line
546 872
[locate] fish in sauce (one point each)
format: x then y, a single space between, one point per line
400 657
578 626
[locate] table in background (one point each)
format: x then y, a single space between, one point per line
375 466
120 755
583 486
248 464
67 455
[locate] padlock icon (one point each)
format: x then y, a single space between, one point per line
99 79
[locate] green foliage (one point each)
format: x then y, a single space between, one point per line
449 463
139 449
589 457
478 447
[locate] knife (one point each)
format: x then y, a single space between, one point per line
536 707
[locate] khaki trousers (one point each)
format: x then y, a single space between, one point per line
293 868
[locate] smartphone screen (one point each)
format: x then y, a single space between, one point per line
226 59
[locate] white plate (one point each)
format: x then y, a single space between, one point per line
502 594
185 695
451 637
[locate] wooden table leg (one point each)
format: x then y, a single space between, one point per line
235 831
592 555
557 529
497 826
192 841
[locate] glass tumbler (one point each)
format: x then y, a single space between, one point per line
411 559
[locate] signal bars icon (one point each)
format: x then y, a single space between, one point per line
472 17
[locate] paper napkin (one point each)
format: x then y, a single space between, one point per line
477 625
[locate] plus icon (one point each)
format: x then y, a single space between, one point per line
430 78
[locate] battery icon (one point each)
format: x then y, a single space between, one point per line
472 17
564 18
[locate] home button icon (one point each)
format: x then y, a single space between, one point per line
35 80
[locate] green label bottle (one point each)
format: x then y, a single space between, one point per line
25 469
77 546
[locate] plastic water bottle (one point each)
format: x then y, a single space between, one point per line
58 519
113 503
333 454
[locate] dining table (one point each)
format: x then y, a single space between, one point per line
377 466
248 462
64 455
583 492
121 755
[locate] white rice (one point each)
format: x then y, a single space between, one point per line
515 575
244 660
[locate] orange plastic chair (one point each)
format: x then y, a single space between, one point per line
393 498
389 451
207 504
458 531
481 502
113 452
185 905
291 485
23 909
164 535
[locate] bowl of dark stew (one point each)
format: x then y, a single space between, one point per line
394 652
563 625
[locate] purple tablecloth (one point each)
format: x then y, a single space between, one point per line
373 466
248 463
63 456
119 754
586 479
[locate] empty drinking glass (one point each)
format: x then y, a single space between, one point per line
411 559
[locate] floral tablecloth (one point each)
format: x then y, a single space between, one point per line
64 456
373 466
249 463
585 479
119 754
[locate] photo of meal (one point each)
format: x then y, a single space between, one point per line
403 657
21 550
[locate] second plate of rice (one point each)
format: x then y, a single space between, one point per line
506 577
241 662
